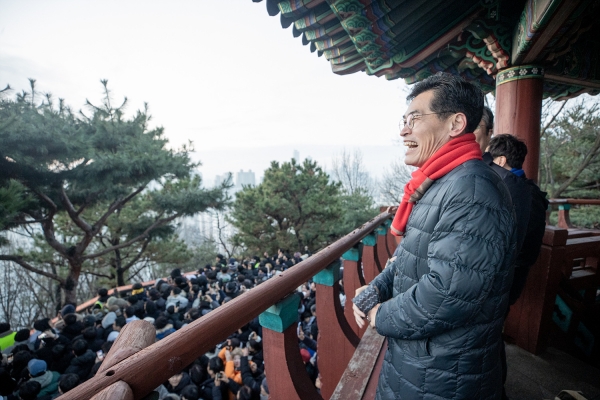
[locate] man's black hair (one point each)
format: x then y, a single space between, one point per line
176 290
216 364
102 292
137 286
510 147
129 311
161 322
120 321
70 319
452 94
245 393
4 327
190 392
22 335
488 117
80 347
29 390
133 299
42 324
89 333
67 382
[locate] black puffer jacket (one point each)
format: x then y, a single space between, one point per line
445 295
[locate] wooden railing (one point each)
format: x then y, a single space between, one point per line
564 206
135 365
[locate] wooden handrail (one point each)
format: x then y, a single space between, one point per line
147 369
589 202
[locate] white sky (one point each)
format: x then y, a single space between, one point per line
221 73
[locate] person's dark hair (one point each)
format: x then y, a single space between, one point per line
58 351
488 118
29 390
70 319
452 94
211 275
190 392
176 290
245 393
102 292
150 308
120 321
42 324
510 147
4 327
106 347
80 347
133 299
216 364
137 286
194 314
160 322
129 311
89 333
257 346
175 273
67 382
22 335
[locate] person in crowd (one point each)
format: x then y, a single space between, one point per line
441 302
48 380
7 336
178 382
30 390
83 361
163 327
485 130
119 323
67 382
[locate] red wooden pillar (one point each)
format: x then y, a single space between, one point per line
370 261
519 93
353 279
337 341
530 318
285 371
383 253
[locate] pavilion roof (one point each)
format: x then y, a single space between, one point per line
413 39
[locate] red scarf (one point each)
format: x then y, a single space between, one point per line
448 157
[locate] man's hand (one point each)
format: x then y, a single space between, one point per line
372 315
228 355
359 315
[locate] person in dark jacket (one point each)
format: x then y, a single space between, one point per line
508 154
83 362
442 298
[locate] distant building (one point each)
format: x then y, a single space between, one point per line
244 178
219 179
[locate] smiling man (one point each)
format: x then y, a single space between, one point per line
441 302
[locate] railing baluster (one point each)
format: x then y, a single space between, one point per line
353 279
370 261
337 341
282 354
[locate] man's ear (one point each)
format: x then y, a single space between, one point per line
500 161
458 124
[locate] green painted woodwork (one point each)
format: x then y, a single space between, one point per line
521 72
562 315
282 315
352 255
369 240
411 40
328 276
564 207
381 230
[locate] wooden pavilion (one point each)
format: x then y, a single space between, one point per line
523 50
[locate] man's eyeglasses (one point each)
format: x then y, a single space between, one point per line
410 120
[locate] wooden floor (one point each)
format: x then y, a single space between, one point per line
529 377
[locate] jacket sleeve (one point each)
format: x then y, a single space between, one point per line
466 250
385 283
247 378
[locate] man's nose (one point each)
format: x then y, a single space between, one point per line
404 130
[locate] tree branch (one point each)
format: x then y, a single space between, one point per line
74 214
543 132
138 256
19 260
586 162
97 274
113 207
48 229
156 224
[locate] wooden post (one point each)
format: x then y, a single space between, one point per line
285 371
353 279
529 319
370 261
383 253
337 341
564 221
519 93
134 336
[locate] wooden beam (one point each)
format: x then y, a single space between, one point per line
561 15
571 81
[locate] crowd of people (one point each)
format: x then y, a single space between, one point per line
54 356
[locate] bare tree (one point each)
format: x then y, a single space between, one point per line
393 182
350 171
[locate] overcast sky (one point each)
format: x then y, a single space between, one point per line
220 73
